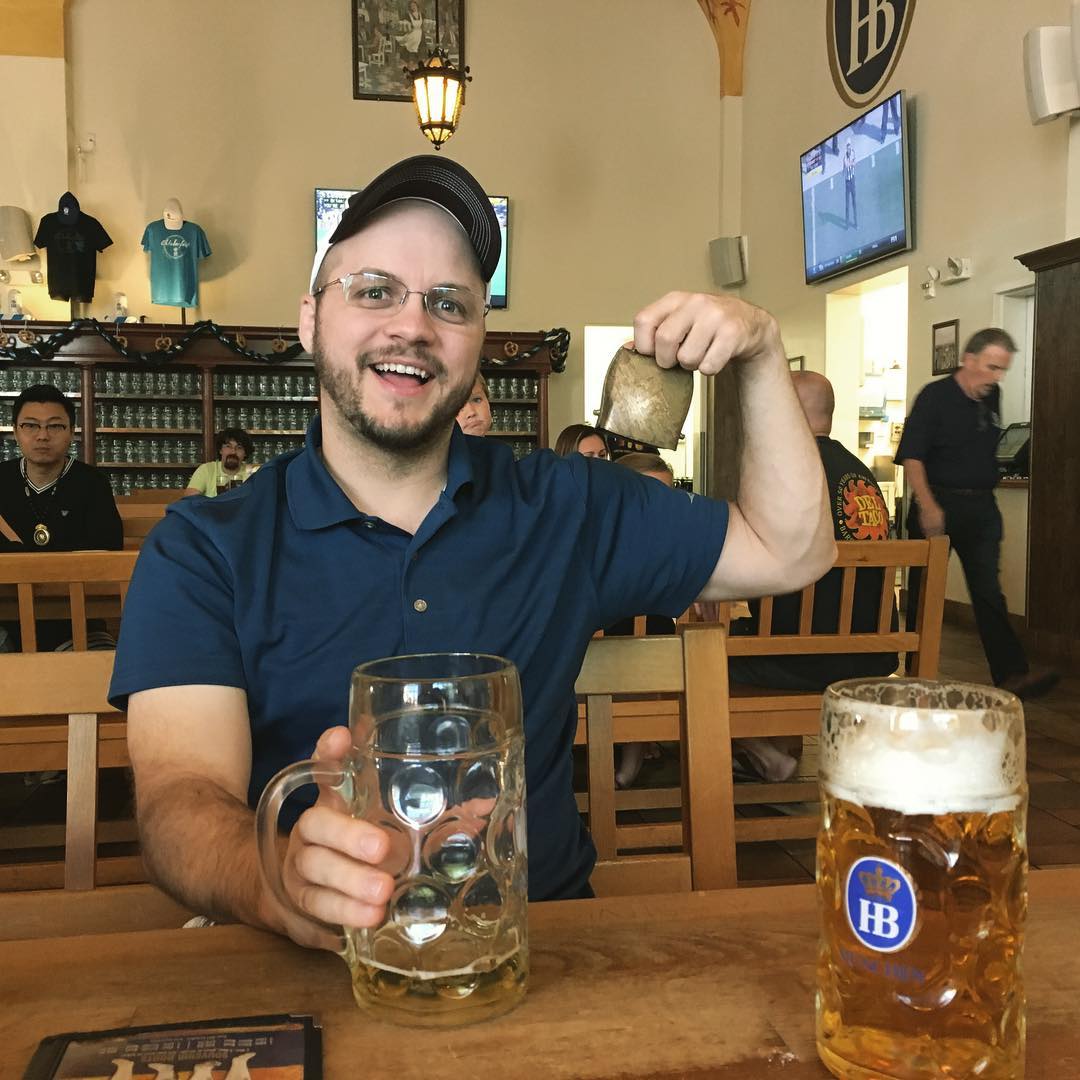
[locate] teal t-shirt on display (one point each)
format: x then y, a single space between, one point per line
174 262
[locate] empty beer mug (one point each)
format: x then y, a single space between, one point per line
438 763
922 880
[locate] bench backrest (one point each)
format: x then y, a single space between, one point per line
53 577
71 686
923 643
691 668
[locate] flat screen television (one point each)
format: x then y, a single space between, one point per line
856 192
331 202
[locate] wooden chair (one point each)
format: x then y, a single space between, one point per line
760 712
690 670
55 714
71 585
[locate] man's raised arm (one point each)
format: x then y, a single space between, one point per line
780 533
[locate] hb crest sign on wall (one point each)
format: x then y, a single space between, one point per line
866 38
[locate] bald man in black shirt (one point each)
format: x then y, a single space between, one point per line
947 451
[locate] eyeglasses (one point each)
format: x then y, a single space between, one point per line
32 427
380 292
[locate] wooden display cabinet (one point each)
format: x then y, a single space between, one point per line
151 425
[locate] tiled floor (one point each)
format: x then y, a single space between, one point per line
1053 730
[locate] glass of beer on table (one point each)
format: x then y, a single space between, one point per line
438 763
921 876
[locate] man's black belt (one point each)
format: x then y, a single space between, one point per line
960 491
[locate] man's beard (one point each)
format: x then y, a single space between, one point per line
343 389
231 462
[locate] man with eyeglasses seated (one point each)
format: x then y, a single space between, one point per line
393 532
48 500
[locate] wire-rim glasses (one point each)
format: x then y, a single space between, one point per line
372 291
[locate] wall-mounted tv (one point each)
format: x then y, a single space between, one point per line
856 192
331 202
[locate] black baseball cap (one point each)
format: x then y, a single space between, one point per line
438 180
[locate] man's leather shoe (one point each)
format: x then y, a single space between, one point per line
1033 684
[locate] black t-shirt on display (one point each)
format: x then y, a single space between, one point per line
954 436
71 247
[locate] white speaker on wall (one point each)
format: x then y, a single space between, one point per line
727 254
1049 74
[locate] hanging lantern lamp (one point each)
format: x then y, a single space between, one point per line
438 93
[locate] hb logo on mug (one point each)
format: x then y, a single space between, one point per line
880 904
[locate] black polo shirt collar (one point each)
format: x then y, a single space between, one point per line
317 502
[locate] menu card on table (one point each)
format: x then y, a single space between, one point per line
280 1047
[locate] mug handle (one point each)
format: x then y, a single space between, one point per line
267 813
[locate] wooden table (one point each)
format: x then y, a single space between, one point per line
697 985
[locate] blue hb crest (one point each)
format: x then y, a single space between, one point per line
880 903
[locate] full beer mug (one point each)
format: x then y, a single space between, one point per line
921 875
438 762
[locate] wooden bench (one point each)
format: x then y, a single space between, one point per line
74 585
753 711
149 495
759 712
112 909
689 670
55 714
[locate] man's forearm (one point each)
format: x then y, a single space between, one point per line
781 482
198 843
915 475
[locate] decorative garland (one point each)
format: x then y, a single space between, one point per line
24 345
557 342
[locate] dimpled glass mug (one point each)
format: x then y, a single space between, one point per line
922 880
438 762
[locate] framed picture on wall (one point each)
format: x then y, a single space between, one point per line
390 35
945 337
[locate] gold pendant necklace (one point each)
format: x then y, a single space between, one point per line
41 534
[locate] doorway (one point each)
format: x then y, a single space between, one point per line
866 362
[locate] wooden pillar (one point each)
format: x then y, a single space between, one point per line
1053 615
729 20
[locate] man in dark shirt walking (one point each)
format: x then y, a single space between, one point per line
947 451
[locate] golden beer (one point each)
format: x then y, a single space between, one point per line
921 870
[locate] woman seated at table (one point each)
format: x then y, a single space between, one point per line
581 439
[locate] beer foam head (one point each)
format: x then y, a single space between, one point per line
922 747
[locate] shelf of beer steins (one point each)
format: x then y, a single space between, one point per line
136 476
269 419
177 383
277 386
13 381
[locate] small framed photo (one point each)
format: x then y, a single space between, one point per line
390 35
797 363
945 349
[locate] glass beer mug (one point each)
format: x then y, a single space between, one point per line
438 763
921 876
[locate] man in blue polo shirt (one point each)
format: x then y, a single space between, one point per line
393 532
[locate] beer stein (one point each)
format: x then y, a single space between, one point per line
921 877
438 763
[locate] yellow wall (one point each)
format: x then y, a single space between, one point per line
601 129
32 28
987 183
